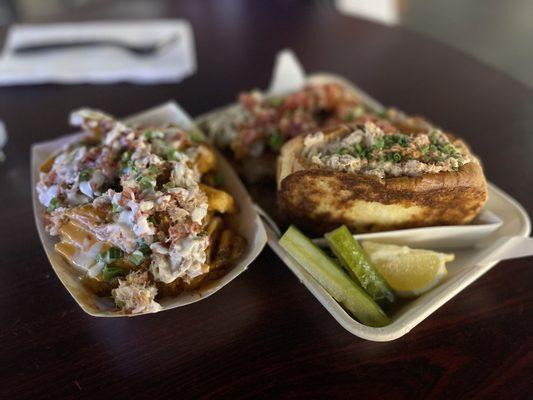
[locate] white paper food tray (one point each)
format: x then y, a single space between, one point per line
250 225
501 217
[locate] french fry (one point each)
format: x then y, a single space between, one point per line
214 229
218 200
87 215
77 235
206 159
68 251
47 165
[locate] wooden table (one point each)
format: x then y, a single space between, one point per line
265 335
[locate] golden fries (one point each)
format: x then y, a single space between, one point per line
230 248
214 229
206 159
218 200
47 165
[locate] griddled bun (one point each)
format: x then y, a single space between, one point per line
319 199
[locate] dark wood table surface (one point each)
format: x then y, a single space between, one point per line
265 335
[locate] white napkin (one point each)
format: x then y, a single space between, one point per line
98 64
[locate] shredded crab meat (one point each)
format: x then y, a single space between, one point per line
369 150
135 294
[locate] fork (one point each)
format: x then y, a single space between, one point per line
142 50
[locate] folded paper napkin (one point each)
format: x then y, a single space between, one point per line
98 64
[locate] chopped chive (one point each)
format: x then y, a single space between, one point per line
359 111
394 157
173 155
126 156
196 136
383 114
108 273
277 101
114 253
85 175
343 151
148 134
153 169
146 183
145 249
137 257
275 141
349 117
54 203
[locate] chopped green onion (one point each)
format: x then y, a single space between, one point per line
148 134
114 253
349 117
196 136
146 183
275 141
277 101
359 111
137 257
378 144
173 155
360 150
110 255
154 169
85 175
403 141
383 114
116 208
126 156
54 203
108 273
343 151
394 157
145 249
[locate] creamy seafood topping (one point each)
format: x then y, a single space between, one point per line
145 184
371 151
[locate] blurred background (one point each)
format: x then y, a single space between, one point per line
495 32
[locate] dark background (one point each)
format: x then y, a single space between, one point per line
265 335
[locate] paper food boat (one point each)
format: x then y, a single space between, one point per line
250 225
502 217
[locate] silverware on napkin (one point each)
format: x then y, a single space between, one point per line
145 49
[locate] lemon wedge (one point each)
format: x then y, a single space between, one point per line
409 272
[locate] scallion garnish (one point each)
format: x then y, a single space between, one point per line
275 141
108 273
137 257
54 203
85 175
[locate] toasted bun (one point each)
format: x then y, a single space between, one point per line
319 200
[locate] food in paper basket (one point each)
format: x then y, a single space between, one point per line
137 211
372 176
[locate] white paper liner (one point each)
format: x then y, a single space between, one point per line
250 225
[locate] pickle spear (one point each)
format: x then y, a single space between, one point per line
332 278
355 260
